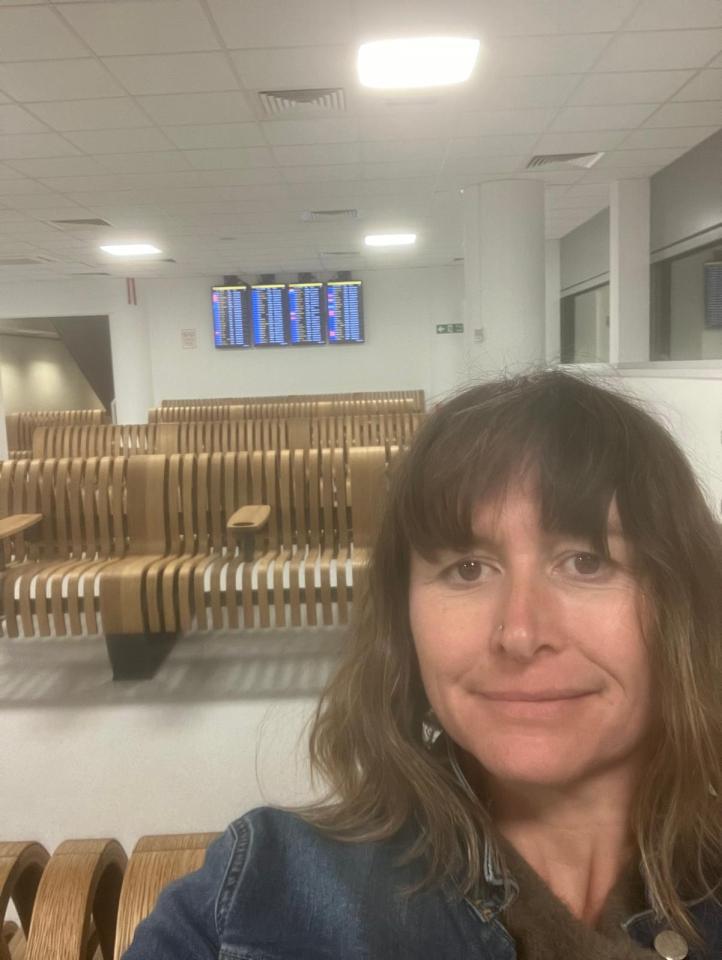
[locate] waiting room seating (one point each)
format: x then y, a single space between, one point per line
417 396
142 547
291 408
85 902
20 426
225 436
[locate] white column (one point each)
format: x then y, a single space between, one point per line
629 270
504 275
130 346
553 300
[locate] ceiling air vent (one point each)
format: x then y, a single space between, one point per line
276 103
339 253
584 160
90 222
322 216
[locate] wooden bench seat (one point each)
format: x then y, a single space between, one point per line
140 548
226 436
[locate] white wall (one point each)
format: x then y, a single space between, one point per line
40 374
221 729
402 350
689 403
585 252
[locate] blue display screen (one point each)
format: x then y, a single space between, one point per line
230 316
268 315
345 311
305 303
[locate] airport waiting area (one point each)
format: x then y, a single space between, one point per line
263 266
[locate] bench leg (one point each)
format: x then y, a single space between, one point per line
137 656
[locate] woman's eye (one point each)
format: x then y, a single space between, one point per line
469 570
586 564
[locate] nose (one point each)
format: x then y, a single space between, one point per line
522 614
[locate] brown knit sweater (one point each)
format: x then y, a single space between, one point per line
544 928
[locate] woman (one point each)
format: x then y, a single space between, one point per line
522 741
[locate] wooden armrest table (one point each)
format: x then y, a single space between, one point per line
16 523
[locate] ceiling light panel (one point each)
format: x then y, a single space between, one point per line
390 239
413 63
130 249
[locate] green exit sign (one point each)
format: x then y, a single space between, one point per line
449 327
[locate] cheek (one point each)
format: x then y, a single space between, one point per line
446 637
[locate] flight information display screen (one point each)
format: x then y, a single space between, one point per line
231 324
305 312
345 311
268 315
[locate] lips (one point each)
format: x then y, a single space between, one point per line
534 696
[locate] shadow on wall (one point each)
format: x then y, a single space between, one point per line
216 667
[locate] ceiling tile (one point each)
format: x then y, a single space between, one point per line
547 55
36 33
648 139
660 50
302 155
119 141
8 172
219 159
182 108
58 80
259 23
502 121
216 136
693 114
624 88
328 175
14 119
237 177
482 166
418 167
675 15
591 141
622 116
707 85
16 188
641 158
520 92
590 16
608 174
287 68
278 132
492 146
378 151
35 145
173 73
59 166
145 162
136 26
116 113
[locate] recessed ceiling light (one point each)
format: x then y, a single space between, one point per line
390 239
416 62
130 249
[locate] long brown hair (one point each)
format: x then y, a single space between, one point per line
371 738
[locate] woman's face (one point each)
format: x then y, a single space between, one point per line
531 647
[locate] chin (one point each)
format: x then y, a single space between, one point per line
548 765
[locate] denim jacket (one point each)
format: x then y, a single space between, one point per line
274 888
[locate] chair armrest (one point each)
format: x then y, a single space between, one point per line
17 522
250 519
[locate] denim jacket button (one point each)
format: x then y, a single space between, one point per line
670 945
487 913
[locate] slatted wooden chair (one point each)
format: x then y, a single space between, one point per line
21 867
225 497
76 907
154 863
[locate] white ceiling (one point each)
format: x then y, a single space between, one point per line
146 113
